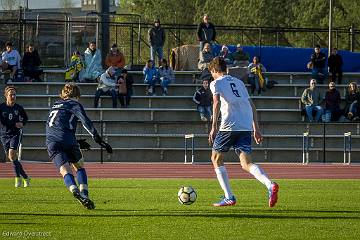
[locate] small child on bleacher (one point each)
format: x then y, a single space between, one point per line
75 67
151 75
203 98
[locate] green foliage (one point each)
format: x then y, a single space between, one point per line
149 209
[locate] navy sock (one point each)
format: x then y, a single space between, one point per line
81 176
69 180
82 181
22 172
17 165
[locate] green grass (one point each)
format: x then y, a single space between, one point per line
148 209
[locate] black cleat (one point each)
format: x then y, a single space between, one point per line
86 202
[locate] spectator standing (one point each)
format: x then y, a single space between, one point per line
335 63
125 82
166 75
93 68
332 104
150 77
312 100
31 63
115 58
256 76
206 56
318 62
239 57
107 86
206 32
352 95
203 98
10 60
156 38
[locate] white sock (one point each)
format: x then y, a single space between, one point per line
260 175
223 179
72 188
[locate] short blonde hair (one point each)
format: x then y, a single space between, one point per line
8 89
70 90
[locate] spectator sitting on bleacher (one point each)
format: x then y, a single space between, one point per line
206 56
318 63
332 111
93 68
352 95
10 60
166 75
150 77
203 98
225 54
31 63
312 100
125 82
75 67
115 58
107 86
239 57
256 76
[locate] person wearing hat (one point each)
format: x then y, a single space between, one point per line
156 38
115 58
107 86
225 54
239 57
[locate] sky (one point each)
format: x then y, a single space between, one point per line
36 4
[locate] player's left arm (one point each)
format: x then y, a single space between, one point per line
257 133
23 118
79 112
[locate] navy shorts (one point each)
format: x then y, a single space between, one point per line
11 142
61 153
239 140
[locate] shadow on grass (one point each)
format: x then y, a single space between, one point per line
265 214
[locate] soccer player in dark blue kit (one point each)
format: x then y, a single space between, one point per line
13 117
62 146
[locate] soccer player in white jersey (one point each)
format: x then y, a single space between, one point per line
238 121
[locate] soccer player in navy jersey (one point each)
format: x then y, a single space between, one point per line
13 118
62 146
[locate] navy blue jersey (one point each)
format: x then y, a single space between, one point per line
9 116
62 121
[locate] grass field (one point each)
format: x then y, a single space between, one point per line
148 209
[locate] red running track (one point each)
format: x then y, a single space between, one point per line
178 170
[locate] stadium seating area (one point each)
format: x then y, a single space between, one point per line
152 129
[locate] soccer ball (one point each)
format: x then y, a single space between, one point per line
187 195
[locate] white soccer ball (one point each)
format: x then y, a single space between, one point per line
187 195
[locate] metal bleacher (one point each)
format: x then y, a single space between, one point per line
152 129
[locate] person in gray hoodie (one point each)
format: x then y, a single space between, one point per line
312 99
107 86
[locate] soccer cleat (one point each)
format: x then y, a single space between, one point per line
17 182
26 182
86 202
273 194
226 202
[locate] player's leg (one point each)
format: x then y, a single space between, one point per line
221 144
5 140
77 162
243 149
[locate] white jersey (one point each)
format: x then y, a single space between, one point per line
236 111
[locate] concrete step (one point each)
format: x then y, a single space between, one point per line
202 155
163 114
